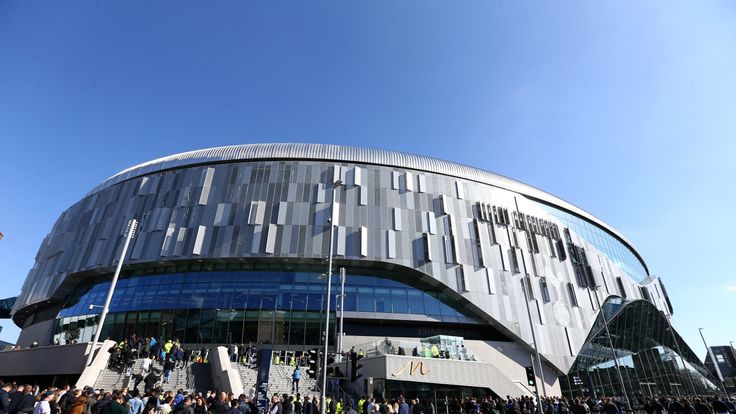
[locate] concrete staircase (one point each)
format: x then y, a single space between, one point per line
196 377
248 376
279 379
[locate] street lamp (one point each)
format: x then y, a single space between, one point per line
679 352
335 185
132 225
713 360
534 341
613 349
342 312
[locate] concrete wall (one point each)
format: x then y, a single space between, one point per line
38 332
509 357
99 362
45 360
440 371
224 377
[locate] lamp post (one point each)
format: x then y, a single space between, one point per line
613 349
534 341
342 312
323 404
715 363
132 224
679 352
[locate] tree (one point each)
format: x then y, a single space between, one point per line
71 335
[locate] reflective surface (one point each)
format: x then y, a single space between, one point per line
653 358
259 304
618 252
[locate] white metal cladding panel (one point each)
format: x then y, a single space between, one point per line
345 154
204 239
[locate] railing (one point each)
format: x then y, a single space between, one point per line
416 348
190 376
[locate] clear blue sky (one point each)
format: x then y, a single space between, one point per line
625 108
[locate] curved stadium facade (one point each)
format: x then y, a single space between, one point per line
233 241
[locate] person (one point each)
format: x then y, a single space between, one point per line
298 408
609 407
116 405
165 407
26 402
701 407
5 398
169 365
307 407
151 402
287 405
578 408
146 365
187 357
275 405
252 392
150 381
179 398
167 346
199 406
403 407
234 407
349 409
79 406
295 377
719 407
43 406
136 404
219 405
435 351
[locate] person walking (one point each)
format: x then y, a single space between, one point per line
295 377
169 365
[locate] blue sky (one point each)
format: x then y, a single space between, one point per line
624 108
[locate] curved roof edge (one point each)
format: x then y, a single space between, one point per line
343 153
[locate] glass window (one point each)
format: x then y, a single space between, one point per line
295 290
416 302
365 299
351 300
400 301
431 305
383 300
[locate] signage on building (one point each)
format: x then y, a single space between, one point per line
414 367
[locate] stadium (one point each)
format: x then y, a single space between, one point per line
233 246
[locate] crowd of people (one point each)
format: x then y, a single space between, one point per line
27 399
579 405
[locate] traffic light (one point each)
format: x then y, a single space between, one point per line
530 378
354 367
313 363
